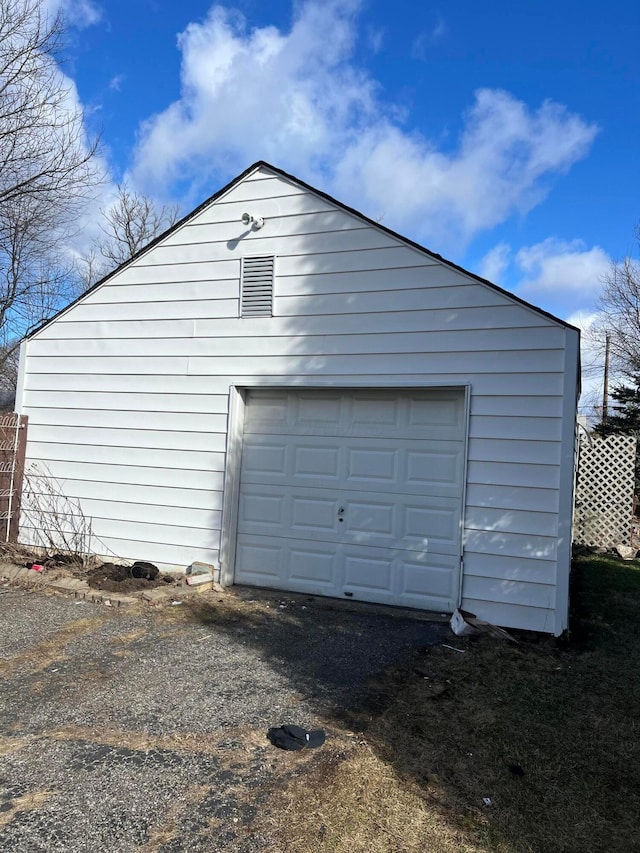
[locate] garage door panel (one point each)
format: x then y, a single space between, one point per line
262 561
370 413
313 514
313 412
436 468
373 411
394 577
410 467
433 580
263 509
267 510
365 574
370 518
368 574
312 565
435 527
432 414
292 564
353 493
313 460
385 521
374 518
263 459
269 412
373 465
420 415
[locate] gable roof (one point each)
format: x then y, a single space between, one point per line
262 164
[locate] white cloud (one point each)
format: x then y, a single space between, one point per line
425 39
494 264
82 13
259 94
115 84
559 267
592 361
375 39
77 13
501 166
296 99
582 320
87 224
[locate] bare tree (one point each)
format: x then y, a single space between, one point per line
619 314
132 222
9 363
33 278
47 169
44 153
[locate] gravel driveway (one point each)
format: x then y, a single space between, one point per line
144 730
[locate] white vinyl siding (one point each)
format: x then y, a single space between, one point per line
130 386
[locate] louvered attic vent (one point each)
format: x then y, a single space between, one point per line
257 287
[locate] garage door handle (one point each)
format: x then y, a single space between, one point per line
340 510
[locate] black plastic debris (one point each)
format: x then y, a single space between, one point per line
148 571
295 737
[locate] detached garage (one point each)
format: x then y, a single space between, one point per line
284 388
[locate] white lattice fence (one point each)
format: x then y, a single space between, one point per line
604 490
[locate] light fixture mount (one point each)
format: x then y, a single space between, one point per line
255 222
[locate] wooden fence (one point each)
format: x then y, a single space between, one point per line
13 443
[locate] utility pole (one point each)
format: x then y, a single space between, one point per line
605 391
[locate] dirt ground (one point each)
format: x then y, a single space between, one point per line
118 577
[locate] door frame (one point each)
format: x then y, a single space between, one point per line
235 437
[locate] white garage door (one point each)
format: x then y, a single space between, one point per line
354 493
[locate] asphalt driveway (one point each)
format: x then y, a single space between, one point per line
144 729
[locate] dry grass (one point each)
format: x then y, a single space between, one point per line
354 802
44 654
550 733
220 608
169 829
139 741
127 638
10 745
25 803
18 554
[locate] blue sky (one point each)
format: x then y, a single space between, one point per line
502 135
